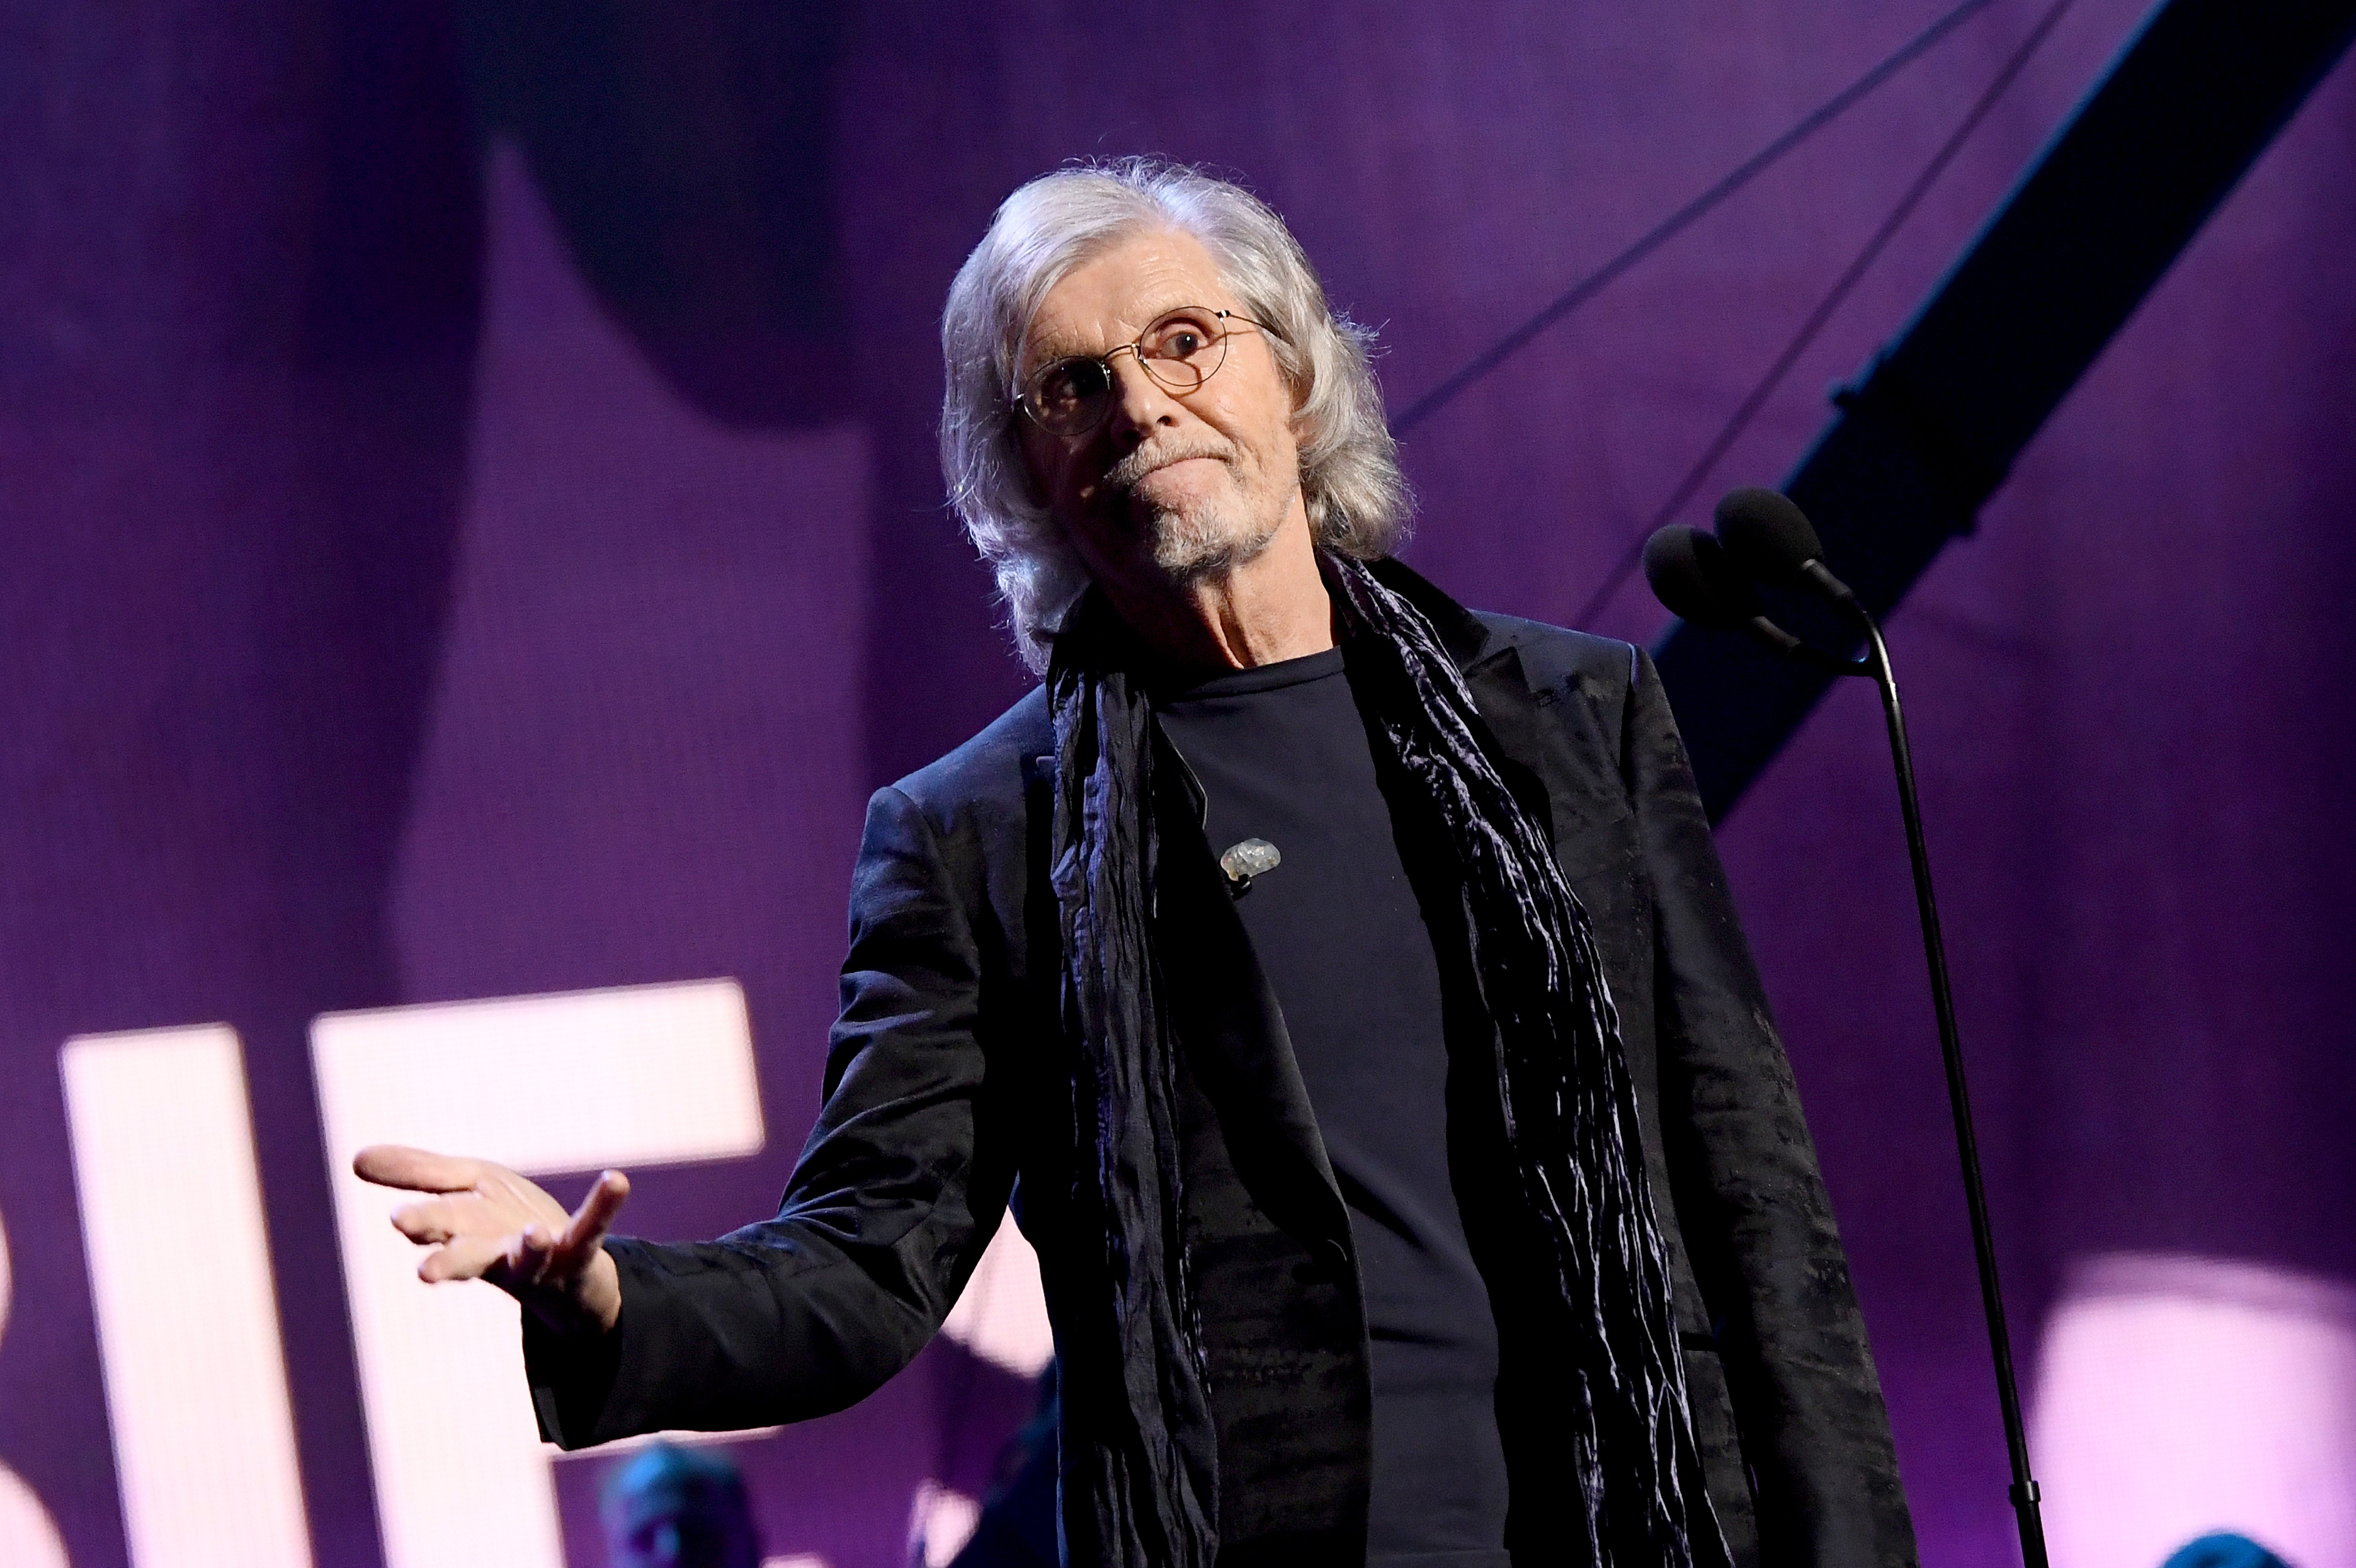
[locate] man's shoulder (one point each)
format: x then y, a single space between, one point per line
1553 658
992 770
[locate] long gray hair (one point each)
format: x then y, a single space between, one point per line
1357 501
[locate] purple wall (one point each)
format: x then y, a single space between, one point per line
472 529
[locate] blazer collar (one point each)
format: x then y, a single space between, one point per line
1556 770
1543 772
1461 633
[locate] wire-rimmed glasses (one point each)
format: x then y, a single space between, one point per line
1183 349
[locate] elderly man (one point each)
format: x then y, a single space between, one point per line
1341 986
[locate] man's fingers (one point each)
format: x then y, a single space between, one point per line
595 1216
420 1171
467 1257
482 1227
426 1223
526 1257
529 1253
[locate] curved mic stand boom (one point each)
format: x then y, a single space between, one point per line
1707 582
2024 1490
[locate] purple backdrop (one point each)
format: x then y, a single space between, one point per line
472 529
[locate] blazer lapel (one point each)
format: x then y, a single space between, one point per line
1540 755
1553 767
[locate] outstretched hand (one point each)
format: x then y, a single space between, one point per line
486 1223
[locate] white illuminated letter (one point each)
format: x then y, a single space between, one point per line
636 1077
27 1538
940 1522
179 1277
1002 1315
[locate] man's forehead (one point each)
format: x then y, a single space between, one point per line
1116 293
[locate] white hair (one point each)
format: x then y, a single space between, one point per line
1356 498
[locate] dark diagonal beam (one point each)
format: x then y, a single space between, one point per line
1929 431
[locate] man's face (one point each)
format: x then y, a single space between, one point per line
1171 487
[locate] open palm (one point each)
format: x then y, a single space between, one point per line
485 1222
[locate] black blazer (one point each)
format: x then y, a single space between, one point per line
947 1096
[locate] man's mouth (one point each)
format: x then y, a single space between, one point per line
1139 466
1174 463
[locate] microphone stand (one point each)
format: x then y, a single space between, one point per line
2024 1491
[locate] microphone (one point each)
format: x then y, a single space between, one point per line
1691 573
1772 539
1242 862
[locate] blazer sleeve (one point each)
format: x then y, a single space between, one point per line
885 1216
1758 1222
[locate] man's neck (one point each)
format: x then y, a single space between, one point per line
1263 611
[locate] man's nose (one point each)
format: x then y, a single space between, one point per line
1140 403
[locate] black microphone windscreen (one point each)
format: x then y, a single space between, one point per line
1690 574
1767 536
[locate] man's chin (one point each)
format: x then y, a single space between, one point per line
1188 553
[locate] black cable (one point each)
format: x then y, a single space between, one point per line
1588 287
1748 409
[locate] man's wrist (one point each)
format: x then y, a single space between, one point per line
602 1292
588 1309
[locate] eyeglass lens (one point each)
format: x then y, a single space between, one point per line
1181 351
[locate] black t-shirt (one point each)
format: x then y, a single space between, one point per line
1283 755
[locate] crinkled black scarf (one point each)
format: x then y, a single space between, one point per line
1569 1113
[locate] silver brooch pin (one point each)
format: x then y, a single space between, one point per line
1252 858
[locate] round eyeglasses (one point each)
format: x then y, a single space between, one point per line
1181 351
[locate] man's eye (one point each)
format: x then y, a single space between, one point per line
1181 339
1061 386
